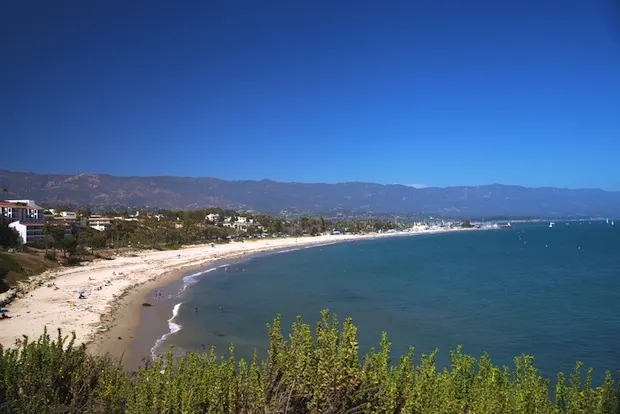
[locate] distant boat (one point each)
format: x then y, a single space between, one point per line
551 223
505 226
607 221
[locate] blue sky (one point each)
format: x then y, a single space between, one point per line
447 92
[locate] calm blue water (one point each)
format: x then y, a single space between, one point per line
550 292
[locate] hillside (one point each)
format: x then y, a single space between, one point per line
15 267
271 196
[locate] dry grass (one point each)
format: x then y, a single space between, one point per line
15 267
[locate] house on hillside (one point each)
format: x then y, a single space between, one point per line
240 225
213 218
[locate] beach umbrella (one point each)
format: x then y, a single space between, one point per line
80 292
4 310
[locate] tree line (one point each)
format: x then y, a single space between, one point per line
305 372
161 229
173 228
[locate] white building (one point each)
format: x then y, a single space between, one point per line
68 214
240 225
100 223
213 218
28 232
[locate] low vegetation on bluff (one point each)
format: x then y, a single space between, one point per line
306 373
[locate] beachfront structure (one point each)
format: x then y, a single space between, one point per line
68 214
242 226
24 211
242 223
66 221
28 232
99 223
213 218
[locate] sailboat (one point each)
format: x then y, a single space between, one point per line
607 221
551 223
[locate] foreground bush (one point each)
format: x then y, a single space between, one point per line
305 373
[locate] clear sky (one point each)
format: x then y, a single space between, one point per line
443 92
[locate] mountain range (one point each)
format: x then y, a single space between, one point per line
272 197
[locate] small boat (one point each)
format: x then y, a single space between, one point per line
607 221
551 223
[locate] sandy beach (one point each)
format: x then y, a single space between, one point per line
114 290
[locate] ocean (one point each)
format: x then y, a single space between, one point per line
549 292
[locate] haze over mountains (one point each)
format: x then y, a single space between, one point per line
272 197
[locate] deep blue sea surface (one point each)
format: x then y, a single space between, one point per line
550 292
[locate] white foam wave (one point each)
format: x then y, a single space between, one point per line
290 250
305 247
193 278
319 245
172 327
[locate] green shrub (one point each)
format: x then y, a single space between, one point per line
50 255
172 246
73 260
304 373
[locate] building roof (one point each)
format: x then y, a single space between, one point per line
15 205
15 223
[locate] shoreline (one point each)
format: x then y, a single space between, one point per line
148 337
108 319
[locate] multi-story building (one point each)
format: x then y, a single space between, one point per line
100 223
29 232
25 217
25 211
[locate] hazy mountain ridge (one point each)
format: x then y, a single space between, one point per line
272 196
